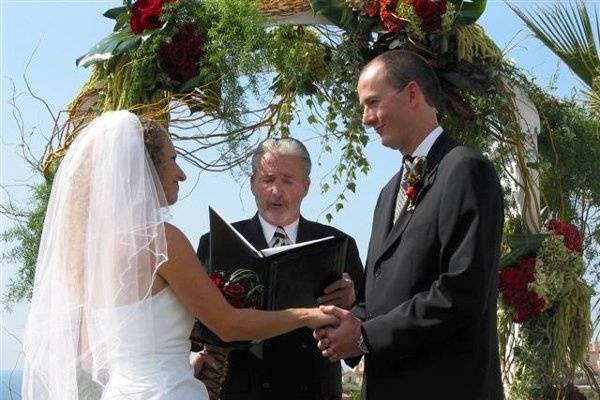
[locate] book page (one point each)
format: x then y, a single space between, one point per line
275 250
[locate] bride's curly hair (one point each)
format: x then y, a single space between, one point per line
154 135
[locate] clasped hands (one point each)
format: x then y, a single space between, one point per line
340 340
340 293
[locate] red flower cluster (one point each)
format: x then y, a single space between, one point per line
430 11
145 14
514 282
569 232
237 290
179 59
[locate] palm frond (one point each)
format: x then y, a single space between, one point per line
566 29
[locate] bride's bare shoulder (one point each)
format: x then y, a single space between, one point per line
175 236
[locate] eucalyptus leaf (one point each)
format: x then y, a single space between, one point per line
115 12
114 44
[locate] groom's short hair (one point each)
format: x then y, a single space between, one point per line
403 66
285 146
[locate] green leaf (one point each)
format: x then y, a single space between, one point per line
338 207
469 11
336 11
191 84
114 44
567 31
115 12
522 246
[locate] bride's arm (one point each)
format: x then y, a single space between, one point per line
191 284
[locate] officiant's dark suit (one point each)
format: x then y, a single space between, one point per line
291 366
428 323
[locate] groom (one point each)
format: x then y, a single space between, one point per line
427 328
289 366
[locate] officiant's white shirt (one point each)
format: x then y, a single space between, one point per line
291 230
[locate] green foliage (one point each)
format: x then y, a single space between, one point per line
27 236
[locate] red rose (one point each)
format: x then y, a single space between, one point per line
217 279
509 276
429 9
237 303
233 290
570 234
178 53
145 14
188 70
411 193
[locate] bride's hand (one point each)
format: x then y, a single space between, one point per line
317 319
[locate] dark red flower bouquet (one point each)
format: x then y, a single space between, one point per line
145 14
569 232
241 288
516 292
180 58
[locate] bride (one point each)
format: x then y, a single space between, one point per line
116 287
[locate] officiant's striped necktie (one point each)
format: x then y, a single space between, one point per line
280 238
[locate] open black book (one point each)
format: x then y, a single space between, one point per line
293 276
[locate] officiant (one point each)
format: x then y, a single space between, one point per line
289 366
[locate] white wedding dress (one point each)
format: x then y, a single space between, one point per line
164 372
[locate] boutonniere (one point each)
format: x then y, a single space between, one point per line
414 172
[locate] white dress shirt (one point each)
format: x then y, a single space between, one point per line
268 229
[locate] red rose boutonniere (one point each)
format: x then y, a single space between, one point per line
412 177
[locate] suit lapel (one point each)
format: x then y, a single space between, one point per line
439 149
253 232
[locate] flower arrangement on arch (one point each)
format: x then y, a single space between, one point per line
444 32
543 290
545 263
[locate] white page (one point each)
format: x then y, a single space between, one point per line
274 250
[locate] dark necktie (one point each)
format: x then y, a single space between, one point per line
280 238
401 196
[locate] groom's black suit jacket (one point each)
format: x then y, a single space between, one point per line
292 366
431 284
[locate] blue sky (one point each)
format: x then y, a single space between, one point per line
50 35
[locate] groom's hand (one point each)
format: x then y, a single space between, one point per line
203 359
339 342
340 293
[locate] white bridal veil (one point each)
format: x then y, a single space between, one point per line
102 241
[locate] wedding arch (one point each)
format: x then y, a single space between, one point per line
225 74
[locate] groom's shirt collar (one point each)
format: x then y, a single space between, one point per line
423 149
268 229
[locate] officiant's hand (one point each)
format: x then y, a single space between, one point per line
340 293
204 358
341 341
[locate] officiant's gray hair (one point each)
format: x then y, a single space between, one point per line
286 146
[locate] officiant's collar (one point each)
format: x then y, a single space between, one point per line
269 230
423 149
